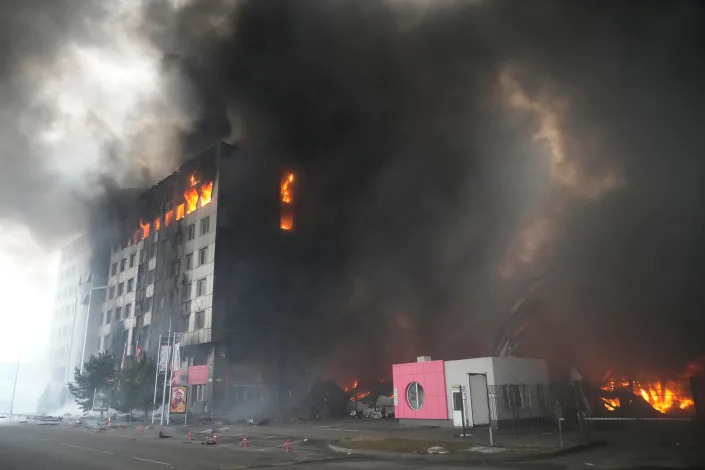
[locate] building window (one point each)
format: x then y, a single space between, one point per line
184 322
415 395
113 269
122 264
143 256
150 277
202 256
200 287
147 304
205 225
111 295
186 292
200 320
189 261
118 314
130 284
121 288
128 309
140 321
107 316
187 307
175 268
132 260
190 232
178 238
200 393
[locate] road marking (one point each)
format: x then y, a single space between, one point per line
87 448
153 461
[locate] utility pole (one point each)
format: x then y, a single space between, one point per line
14 387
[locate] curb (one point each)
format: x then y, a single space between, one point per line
466 457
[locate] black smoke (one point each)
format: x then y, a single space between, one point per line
421 175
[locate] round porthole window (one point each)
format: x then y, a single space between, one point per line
415 395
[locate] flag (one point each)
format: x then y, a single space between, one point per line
163 357
176 358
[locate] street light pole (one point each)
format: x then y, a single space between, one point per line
88 317
14 387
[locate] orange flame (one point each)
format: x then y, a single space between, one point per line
179 212
192 180
191 197
145 229
206 191
286 218
168 218
355 384
359 396
157 223
663 395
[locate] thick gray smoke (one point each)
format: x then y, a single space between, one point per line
449 151
453 150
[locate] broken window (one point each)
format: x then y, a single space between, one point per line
132 260
200 320
186 292
175 268
185 321
187 307
201 287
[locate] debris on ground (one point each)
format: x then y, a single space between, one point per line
437 450
163 434
486 449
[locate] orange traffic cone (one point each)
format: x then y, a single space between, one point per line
245 442
189 435
287 446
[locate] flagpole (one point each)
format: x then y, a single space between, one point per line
171 378
166 373
156 377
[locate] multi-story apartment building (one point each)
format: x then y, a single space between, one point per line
71 335
197 262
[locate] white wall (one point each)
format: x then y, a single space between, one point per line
457 374
516 370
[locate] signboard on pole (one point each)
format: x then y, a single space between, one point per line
101 399
163 358
176 358
177 404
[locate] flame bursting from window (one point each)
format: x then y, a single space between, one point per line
663 395
206 191
145 229
286 220
191 198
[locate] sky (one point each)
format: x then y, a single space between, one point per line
478 144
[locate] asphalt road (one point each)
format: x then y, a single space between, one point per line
32 446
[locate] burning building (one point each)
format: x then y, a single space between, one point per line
206 259
76 313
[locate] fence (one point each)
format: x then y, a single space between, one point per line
520 406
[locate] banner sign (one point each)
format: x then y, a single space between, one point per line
163 357
177 404
176 361
101 399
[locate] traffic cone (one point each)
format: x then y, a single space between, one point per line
287 446
245 442
189 435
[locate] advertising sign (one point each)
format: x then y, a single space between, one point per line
101 399
163 358
177 404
